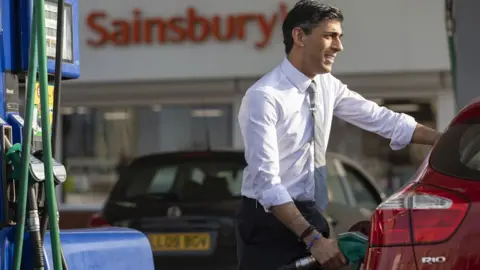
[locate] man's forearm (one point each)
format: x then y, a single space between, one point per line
291 217
425 135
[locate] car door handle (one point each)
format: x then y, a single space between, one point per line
334 222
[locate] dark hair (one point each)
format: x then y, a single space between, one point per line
307 14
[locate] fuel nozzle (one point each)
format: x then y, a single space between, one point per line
353 244
59 171
14 157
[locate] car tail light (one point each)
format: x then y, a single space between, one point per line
98 221
433 213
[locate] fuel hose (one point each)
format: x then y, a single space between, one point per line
56 107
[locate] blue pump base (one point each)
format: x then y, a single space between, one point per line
108 248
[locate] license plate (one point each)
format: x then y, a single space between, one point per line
180 242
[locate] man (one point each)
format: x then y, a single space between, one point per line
285 119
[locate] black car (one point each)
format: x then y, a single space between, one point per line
185 202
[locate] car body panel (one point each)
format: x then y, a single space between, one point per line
396 258
461 250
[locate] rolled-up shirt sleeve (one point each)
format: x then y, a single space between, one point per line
257 119
368 115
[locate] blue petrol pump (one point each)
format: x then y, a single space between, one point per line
39 47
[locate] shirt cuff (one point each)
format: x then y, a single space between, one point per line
402 135
276 195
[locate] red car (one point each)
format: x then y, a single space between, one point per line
433 222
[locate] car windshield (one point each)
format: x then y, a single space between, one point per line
457 153
186 181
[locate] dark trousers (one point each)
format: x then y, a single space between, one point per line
264 243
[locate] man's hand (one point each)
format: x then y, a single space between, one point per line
327 253
425 135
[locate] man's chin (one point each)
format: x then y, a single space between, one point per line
326 69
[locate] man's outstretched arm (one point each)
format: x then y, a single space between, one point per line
400 128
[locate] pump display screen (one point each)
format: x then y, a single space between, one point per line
51 12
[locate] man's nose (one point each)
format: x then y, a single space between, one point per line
337 45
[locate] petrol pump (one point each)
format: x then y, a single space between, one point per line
39 47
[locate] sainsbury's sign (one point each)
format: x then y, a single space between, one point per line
191 27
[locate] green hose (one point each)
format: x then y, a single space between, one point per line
453 62
450 27
46 143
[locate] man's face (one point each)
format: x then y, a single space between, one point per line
322 45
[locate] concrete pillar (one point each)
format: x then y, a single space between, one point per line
445 109
467 44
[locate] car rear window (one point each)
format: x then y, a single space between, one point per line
190 180
457 153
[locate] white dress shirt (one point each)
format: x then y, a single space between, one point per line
277 129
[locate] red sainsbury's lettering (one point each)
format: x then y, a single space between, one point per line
192 27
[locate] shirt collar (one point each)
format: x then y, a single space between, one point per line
297 78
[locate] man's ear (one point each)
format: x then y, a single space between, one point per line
298 36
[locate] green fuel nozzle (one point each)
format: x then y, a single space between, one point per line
354 246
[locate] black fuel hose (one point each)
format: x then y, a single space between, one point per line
34 228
